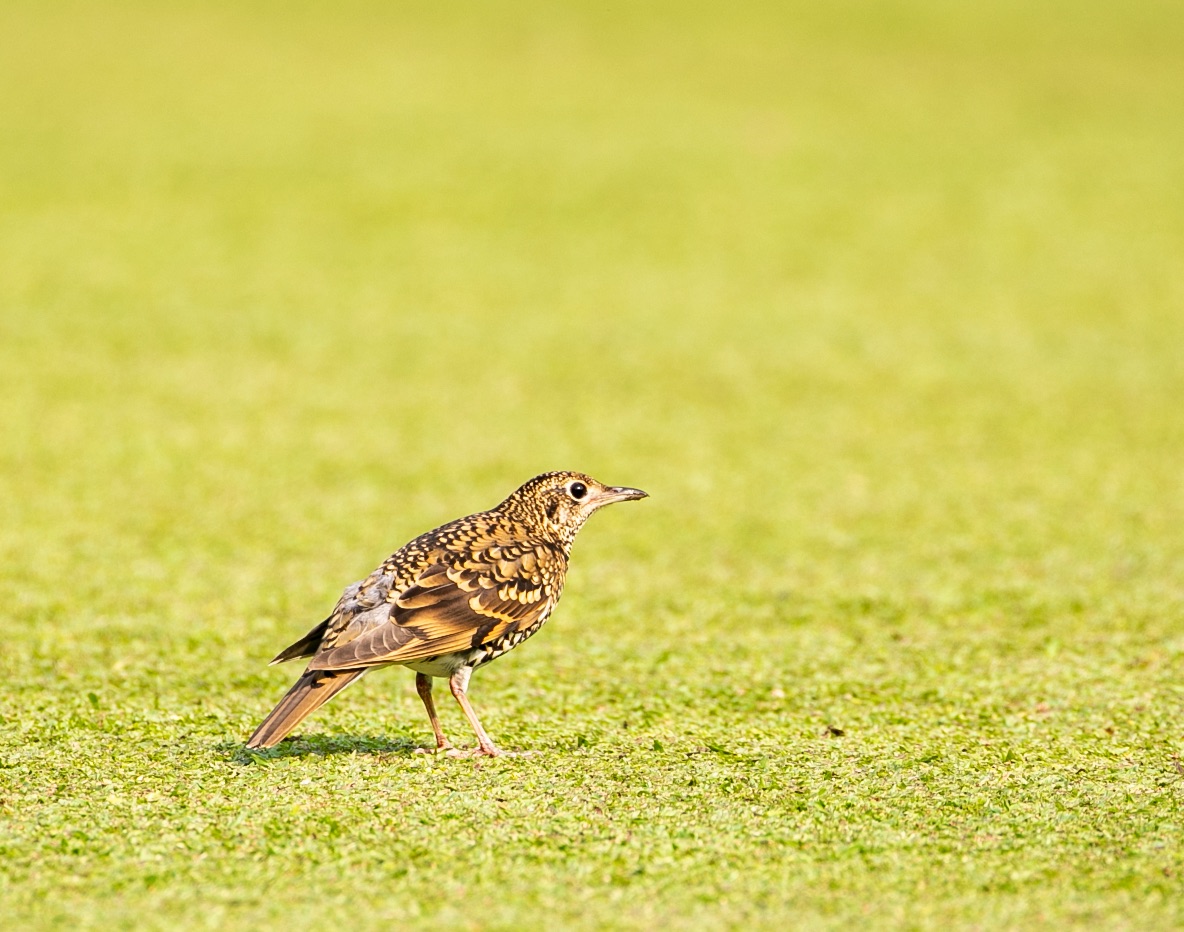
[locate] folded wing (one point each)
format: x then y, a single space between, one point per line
458 602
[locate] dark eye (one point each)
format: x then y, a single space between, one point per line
577 490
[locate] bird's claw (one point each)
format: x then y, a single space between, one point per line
465 753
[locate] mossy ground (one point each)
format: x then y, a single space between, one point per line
881 302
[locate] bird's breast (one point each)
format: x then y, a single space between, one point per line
495 647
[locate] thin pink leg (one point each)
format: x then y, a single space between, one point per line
423 686
459 683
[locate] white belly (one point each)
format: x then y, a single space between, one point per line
447 664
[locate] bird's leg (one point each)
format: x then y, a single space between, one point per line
459 683
423 686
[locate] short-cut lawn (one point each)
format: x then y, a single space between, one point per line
883 303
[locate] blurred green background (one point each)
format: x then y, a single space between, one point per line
882 302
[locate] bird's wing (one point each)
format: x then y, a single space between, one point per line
457 602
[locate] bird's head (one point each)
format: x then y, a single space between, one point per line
556 504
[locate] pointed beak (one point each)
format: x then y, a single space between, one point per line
620 493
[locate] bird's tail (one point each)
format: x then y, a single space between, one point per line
310 692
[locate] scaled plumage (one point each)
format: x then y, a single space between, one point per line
447 602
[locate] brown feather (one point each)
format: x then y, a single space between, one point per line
448 609
310 692
305 647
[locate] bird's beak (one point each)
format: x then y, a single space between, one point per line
619 493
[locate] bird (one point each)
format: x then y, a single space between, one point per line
447 602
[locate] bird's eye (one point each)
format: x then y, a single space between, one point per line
577 490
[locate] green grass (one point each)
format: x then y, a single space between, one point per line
882 302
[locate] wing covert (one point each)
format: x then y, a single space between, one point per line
457 602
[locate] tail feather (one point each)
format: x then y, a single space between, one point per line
309 693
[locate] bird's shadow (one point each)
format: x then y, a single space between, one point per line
319 746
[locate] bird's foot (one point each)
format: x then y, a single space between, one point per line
464 753
468 753
445 747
